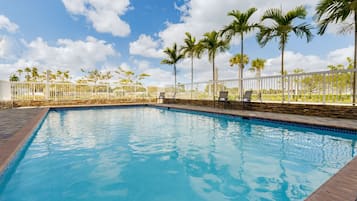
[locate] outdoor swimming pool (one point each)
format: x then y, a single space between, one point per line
147 154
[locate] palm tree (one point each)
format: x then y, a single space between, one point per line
19 72
14 78
280 28
27 76
34 74
235 60
240 25
334 11
66 75
213 44
191 49
257 67
59 75
173 56
297 81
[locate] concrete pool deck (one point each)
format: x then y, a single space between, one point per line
16 125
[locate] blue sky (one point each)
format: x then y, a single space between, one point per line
105 34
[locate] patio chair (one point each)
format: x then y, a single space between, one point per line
223 98
161 97
247 97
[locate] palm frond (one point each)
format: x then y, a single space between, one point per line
333 11
298 12
303 30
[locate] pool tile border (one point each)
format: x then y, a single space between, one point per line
341 129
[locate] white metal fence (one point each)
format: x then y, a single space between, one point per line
327 87
71 91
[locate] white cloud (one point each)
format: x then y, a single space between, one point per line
339 56
66 55
103 14
7 25
142 65
146 46
200 16
159 77
4 47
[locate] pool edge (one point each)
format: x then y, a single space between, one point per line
18 141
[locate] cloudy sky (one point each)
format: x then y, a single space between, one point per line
106 34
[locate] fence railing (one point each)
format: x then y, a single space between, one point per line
326 87
71 91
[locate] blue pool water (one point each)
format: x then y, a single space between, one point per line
152 154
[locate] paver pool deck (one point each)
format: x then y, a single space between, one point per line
16 125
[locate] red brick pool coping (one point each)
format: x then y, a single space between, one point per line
342 186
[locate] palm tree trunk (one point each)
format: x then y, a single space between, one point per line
191 74
214 79
175 81
354 64
282 72
259 84
241 66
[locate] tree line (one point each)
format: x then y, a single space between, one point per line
32 74
281 26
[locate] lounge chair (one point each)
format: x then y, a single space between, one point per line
223 98
247 97
161 97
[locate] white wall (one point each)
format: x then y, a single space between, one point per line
5 91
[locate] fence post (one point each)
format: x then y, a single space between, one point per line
324 88
107 91
288 88
47 87
283 87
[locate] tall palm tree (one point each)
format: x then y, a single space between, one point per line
213 43
334 11
191 49
173 56
257 67
281 28
240 25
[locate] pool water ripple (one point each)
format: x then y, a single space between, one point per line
150 154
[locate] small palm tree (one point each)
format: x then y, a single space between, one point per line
34 74
27 76
19 72
257 67
173 56
334 11
297 82
66 75
238 60
281 28
14 78
213 43
191 49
